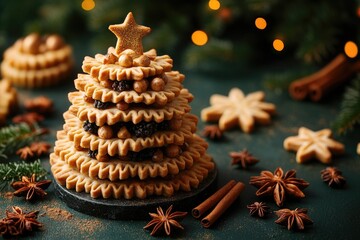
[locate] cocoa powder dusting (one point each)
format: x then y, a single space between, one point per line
88 226
57 213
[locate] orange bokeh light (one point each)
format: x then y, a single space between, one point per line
88 5
351 49
214 4
199 38
260 23
278 45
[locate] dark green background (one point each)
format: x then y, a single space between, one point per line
335 212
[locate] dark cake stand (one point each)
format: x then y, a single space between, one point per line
135 208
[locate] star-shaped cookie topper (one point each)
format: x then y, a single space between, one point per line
310 145
238 110
129 35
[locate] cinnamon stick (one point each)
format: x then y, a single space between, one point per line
224 204
299 89
320 88
213 199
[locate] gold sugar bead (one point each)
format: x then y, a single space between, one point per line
140 86
31 43
143 61
106 83
172 150
123 133
122 106
110 58
105 132
158 156
157 84
175 124
54 42
125 61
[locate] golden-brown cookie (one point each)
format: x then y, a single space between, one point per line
94 90
116 146
9 101
128 132
24 61
97 69
186 180
238 110
116 169
36 78
86 111
37 61
310 145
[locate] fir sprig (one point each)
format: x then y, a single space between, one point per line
13 171
17 136
350 108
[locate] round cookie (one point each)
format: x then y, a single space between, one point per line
37 61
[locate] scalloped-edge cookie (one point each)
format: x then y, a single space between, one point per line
86 111
116 146
94 90
37 61
8 101
101 71
186 180
24 61
116 169
36 78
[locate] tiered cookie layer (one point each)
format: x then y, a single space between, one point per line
129 132
36 61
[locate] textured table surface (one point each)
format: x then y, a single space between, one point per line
334 211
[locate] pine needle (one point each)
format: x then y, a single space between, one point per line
17 136
13 171
350 108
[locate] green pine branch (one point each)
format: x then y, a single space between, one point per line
13 171
349 115
17 136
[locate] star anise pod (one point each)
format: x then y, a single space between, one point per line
279 185
41 105
24 222
8 228
258 208
30 118
212 132
40 148
29 188
25 153
333 177
243 158
164 221
293 219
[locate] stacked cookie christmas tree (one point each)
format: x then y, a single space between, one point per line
128 133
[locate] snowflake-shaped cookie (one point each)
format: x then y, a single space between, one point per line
310 145
238 109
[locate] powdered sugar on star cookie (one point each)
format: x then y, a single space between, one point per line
313 145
